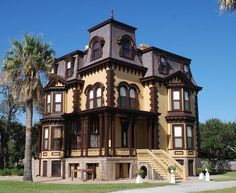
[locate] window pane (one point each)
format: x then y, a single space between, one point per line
176 105
58 97
48 98
123 101
94 140
186 95
176 95
99 102
132 93
68 65
178 131
48 108
190 142
185 68
91 94
178 142
46 144
57 132
58 107
189 131
99 92
122 91
163 60
45 133
56 168
187 106
91 104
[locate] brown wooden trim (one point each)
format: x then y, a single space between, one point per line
86 127
173 136
180 99
113 134
178 152
101 130
110 80
150 134
197 125
153 98
76 99
106 137
156 131
82 136
130 136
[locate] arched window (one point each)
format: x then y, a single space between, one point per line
96 45
99 97
91 97
123 96
132 96
126 48
96 50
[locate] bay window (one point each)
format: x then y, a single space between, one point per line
189 138
178 137
56 138
176 100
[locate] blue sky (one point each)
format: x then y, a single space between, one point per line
194 29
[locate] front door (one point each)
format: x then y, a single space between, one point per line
124 133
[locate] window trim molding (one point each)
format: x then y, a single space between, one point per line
173 136
172 99
54 102
191 126
120 42
69 72
101 43
52 138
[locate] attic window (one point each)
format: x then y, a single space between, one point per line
185 69
126 47
70 67
163 68
96 46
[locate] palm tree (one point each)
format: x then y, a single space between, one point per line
24 64
228 5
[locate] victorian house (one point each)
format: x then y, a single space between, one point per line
117 107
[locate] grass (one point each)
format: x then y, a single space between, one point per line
28 187
226 190
228 176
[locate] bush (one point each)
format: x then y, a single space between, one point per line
200 170
17 171
171 168
141 173
5 172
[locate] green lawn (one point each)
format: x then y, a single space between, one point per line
28 187
226 190
228 176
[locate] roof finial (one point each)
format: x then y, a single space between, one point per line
112 14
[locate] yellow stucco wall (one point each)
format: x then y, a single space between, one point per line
98 76
162 108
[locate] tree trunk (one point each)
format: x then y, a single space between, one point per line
28 147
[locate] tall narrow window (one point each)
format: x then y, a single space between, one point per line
48 103
75 134
126 48
189 134
186 101
94 133
57 102
176 100
98 97
69 68
178 137
163 68
90 101
185 69
56 168
132 95
124 134
123 96
56 138
45 139
96 50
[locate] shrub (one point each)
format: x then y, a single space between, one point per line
141 173
5 172
200 170
17 171
171 168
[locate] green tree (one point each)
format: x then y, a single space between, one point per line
26 63
228 5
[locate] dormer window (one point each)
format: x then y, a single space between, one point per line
163 68
96 46
126 47
70 67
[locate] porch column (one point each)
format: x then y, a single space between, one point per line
155 129
113 137
150 134
135 134
100 133
86 127
106 137
130 137
82 135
